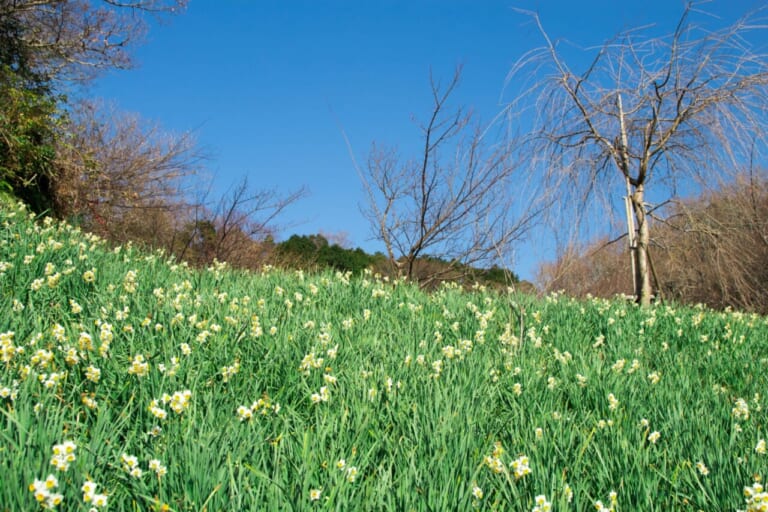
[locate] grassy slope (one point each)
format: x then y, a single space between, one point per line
418 439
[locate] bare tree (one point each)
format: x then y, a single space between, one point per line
116 173
74 39
677 111
710 249
340 238
127 179
715 248
586 269
231 228
46 47
455 201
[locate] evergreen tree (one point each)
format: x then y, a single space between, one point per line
28 113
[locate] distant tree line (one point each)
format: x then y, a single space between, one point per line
315 251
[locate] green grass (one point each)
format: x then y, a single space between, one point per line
423 400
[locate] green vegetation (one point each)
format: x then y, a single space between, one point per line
28 122
315 250
138 381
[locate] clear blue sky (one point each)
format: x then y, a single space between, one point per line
268 85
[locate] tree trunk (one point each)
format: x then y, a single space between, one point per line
643 290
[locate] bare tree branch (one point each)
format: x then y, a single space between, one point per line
71 40
455 202
115 171
665 112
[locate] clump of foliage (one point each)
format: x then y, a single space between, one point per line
28 121
316 250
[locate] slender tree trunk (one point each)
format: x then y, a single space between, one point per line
643 290
411 265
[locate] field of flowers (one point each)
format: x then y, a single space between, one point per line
132 383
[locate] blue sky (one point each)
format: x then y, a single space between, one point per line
269 85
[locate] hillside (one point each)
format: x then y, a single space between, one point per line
139 384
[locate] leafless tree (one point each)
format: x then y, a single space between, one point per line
340 238
711 249
115 170
73 39
126 179
586 269
456 201
715 248
231 228
647 116
46 48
